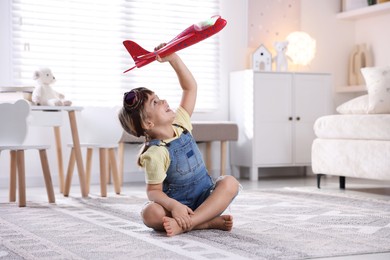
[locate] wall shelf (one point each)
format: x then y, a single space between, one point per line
365 12
349 89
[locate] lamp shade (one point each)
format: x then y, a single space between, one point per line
301 48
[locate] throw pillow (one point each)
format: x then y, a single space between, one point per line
378 87
357 105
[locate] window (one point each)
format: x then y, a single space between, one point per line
81 41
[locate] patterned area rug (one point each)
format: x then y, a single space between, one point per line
268 224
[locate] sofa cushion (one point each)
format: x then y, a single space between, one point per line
357 105
367 127
378 86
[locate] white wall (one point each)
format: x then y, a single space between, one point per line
374 32
335 39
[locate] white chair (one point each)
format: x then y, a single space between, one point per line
13 131
99 129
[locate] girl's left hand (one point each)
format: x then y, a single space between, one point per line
181 213
166 58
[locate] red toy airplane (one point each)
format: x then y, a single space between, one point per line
193 34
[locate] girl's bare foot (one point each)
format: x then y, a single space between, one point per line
224 222
171 227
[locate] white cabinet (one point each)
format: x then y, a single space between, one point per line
275 112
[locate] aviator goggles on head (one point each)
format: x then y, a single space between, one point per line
133 99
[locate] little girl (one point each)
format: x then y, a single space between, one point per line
182 195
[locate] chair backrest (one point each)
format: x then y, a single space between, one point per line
99 125
13 122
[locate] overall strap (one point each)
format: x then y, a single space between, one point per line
182 127
161 142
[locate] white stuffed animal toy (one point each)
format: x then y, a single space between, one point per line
281 59
44 94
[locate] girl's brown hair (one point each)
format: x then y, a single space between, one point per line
132 113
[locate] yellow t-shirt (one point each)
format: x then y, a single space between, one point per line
155 160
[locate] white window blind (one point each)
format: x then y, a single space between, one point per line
81 41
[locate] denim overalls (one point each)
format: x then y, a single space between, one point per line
187 179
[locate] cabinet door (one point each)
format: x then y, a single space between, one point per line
311 100
272 128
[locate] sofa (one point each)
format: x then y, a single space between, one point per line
356 141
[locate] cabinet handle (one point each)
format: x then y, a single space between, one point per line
298 118
290 118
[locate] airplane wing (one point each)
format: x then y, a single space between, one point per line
166 47
129 69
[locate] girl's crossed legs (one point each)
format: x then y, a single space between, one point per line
206 216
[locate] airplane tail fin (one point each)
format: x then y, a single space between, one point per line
137 53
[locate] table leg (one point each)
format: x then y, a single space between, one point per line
57 134
77 152
69 173
47 176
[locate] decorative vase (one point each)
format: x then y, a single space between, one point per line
352 76
360 57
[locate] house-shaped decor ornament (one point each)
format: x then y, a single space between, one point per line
262 59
